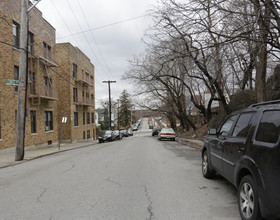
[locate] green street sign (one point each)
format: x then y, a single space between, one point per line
12 82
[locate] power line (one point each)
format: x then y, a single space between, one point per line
108 25
71 33
64 22
106 64
85 37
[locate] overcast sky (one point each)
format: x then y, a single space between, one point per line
117 27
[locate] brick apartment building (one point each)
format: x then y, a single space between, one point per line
43 121
76 93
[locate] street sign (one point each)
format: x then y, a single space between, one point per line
12 82
64 120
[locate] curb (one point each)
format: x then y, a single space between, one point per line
192 143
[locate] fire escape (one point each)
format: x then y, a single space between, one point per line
83 84
40 74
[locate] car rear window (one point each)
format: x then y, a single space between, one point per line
269 127
242 126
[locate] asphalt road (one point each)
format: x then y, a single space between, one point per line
138 177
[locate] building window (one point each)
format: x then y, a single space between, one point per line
75 95
88 118
32 83
47 51
84 135
91 80
92 97
84 120
30 39
76 119
92 118
16 34
88 134
75 68
33 121
16 76
48 81
48 120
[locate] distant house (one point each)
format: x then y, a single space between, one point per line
204 99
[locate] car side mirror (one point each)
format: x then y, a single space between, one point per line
212 131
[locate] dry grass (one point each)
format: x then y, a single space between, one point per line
199 134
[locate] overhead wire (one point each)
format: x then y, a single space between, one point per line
83 32
108 25
96 44
87 39
96 75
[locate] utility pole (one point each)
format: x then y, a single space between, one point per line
20 122
109 87
22 86
118 114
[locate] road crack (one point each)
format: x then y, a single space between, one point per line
112 181
73 165
41 195
150 203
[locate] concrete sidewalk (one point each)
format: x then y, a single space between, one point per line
8 158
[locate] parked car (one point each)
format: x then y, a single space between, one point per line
107 135
135 127
155 131
130 133
118 135
246 151
167 133
124 133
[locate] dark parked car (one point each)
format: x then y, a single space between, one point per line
107 135
118 135
130 132
124 133
155 131
246 151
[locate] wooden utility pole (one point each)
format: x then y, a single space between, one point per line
22 85
109 83
20 121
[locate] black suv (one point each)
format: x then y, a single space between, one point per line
246 151
107 135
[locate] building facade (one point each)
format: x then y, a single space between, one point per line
41 126
76 93
45 106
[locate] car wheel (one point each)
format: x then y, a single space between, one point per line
206 171
248 201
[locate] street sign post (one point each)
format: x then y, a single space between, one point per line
64 120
